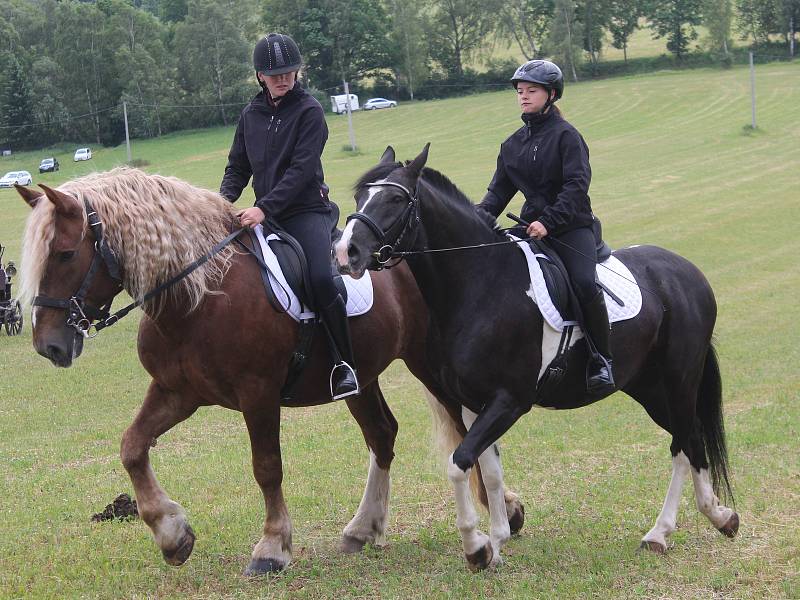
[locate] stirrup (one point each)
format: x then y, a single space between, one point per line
351 392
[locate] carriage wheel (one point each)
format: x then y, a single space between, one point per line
14 321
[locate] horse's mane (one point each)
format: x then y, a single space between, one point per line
156 225
442 184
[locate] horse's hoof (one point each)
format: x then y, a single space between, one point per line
516 519
731 528
181 554
351 545
480 560
263 566
655 547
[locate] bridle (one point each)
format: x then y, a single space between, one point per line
396 231
83 317
80 314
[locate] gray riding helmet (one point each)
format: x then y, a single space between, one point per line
542 72
276 54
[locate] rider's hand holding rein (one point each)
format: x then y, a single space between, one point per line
250 217
536 230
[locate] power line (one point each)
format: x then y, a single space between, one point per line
66 120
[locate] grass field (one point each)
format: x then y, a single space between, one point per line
674 166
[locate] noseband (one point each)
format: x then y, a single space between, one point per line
79 314
408 218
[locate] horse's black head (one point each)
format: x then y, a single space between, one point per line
387 203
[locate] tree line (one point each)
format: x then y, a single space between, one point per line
66 66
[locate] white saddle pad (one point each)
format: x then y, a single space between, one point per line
359 291
612 273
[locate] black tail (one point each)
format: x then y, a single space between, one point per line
709 411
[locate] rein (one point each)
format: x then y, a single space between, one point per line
80 316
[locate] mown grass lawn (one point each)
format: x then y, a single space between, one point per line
673 166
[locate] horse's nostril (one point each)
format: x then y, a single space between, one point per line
353 253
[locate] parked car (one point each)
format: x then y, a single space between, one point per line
82 154
374 103
20 177
48 165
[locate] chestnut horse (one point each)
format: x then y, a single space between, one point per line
211 339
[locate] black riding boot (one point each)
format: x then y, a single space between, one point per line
599 376
343 380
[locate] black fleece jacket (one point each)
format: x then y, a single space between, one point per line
281 148
548 161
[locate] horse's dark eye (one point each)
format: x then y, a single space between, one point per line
65 256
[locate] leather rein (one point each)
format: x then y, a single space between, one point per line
83 317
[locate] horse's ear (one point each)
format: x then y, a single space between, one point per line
65 204
31 197
388 156
416 165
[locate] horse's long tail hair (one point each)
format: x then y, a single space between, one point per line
709 411
446 437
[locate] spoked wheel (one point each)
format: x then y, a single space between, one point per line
14 320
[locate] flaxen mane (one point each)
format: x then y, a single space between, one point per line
156 225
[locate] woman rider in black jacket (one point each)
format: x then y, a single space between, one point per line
279 142
548 161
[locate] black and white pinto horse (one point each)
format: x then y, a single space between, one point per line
488 341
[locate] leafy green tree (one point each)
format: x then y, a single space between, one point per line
594 16
623 21
409 48
565 38
675 20
528 23
339 39
214 61
459 28
17 108
718 19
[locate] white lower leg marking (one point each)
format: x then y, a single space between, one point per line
466 518
707 501
667 520
369 522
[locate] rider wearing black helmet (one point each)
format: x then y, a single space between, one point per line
548 161
279 142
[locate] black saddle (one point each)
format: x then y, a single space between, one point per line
292 261
555 273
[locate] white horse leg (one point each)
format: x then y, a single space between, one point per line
722 517
477 547
666 523
492 472
369 523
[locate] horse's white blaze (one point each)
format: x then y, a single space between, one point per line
33 316
466 517
369 523
668 519
707 501
492 472
341 246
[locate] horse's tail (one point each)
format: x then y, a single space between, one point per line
446 437
709 411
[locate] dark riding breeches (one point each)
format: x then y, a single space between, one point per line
313 232
581 269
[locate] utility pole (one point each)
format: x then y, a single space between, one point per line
127 137
752 92
349 116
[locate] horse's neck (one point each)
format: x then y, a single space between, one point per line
448 279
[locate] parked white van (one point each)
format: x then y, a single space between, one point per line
82 154
339 103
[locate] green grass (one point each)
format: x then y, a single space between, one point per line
672 166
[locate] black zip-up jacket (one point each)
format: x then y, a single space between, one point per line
281 148
548 161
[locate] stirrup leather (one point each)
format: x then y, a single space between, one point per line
353 392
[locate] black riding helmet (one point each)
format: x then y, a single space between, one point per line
541 72
276 54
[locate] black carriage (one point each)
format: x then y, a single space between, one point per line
10 309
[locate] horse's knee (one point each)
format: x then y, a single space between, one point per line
132 452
